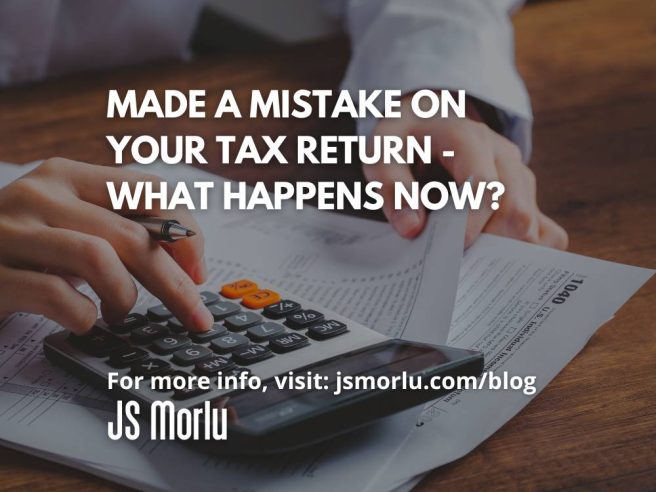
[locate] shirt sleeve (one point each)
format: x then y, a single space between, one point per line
442 44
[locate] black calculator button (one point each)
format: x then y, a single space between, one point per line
215 331
286 342
209 297
214 365
189 392
250 354
241 321
176 326
281 309
150 367
148 333
129 323
159 313
261 333
170 343
98 342
303 319
327 329
223 309
127 356
227 343
188 355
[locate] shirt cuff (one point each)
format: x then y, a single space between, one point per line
446 54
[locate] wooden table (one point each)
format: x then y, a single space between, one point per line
591 69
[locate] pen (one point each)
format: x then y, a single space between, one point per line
166 230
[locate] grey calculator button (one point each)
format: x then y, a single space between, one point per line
176 326
223 309
241 321
189 355
150 367
261 333
228 343
159 313
97 342
170 343
129 323
215 331
149 333
127 356
214 365
250 354
209 297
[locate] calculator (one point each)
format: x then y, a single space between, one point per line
265 333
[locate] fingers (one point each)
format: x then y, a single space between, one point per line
144 259
47 295
407 222
518 212
551 234
474 160
190 253
79 255
90 185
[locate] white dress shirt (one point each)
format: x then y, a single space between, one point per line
397 44
441 44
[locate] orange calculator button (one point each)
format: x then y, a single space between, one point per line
260 299
238 288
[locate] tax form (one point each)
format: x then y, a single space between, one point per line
360 268
401 288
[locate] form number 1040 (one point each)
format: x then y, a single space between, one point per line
567 291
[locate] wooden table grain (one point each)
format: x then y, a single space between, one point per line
590 66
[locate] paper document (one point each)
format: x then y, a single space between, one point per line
530 310
504 306
357 267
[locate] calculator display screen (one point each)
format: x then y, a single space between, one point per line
262 410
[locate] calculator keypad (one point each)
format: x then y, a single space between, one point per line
243 335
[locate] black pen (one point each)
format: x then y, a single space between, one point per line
166 230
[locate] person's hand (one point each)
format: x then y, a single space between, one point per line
56 222
480 154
